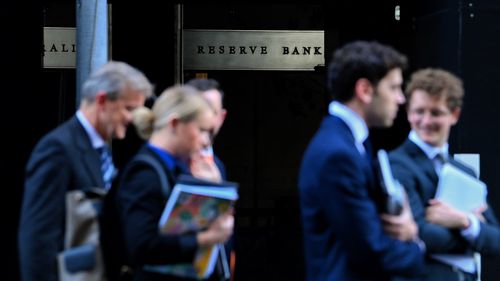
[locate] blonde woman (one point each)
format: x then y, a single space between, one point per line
178 126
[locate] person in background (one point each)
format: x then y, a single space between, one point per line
435 98
207 162
71 158
212 92
345 238
178 126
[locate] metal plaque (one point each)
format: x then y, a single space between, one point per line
59 47
252 49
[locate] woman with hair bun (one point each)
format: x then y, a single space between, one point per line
178 126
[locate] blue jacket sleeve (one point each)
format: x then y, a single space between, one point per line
488 241
437 239
41 231
350 205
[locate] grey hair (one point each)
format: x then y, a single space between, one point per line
112 78
183 101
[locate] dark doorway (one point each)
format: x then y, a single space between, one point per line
271 116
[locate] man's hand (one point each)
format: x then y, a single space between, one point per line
479 212
402 227
445 215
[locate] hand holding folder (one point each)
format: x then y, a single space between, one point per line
460 190
195 205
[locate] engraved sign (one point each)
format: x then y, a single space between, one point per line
252 49
59 47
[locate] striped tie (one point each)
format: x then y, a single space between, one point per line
107 167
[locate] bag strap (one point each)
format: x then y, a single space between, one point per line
160 171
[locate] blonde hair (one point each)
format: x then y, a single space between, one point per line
183 101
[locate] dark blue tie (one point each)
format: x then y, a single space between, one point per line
107 167
368 149
439 161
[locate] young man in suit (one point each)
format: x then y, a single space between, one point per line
451 236
68 158
345 237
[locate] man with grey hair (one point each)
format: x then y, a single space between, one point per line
75 156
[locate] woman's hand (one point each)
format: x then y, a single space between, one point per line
218 232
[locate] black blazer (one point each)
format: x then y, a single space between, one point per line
63 160
416 172
140 204
342 231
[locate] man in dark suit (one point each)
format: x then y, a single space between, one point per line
67 159
345 238
451 236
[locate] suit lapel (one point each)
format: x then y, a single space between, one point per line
341 128
88 155
426 165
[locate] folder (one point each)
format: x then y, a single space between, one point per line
393 191
460 190
194 204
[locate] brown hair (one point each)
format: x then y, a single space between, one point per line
437 83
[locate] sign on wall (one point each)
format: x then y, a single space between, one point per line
59 47
252 49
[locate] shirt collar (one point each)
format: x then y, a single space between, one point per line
95 139
171 161
355 123
429 150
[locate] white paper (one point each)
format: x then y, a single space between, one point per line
460 190
470 159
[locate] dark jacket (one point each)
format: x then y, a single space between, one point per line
63 160
343 234
140 203
416 172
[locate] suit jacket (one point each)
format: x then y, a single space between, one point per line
140 204
63 160
342 231
229 246
416 172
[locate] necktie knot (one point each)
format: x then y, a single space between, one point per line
440 157
439 161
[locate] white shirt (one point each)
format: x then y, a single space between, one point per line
95 139
355 123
